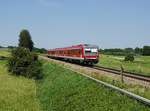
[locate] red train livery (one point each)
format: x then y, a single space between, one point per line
83 53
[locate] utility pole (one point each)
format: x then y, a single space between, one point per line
121 73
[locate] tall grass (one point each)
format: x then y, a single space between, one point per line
16 93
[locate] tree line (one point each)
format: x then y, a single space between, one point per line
145 51
35 49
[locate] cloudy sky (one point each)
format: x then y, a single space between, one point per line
59 23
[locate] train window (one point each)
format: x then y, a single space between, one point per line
73 52
91 51
80 51
87 52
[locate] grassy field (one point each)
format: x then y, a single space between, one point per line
64 90
16 93
140 65
60 90
4 52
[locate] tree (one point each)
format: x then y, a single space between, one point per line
146 50
128 50
25 63
11 47
115 51
138 50
25 40
39 50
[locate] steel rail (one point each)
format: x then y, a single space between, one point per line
137 76
125 73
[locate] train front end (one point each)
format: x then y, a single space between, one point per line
91 54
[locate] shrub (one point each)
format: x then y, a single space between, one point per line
129 57
25 63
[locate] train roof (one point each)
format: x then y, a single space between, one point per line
75 47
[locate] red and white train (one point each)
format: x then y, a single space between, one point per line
83 53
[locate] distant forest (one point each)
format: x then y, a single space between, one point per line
145 51
35 49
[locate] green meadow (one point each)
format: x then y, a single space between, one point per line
59 90
141 64
16 93
5 52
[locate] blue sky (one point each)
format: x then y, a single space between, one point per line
59 23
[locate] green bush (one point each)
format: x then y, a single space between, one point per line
129 57
25 63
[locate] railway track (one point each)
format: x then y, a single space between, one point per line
125 73
137 76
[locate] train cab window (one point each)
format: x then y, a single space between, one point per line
91 51
87 52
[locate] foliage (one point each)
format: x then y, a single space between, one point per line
64 90
115 51
25 40
3 58
25 63
129 57
146 50
128 50
39 50
123 52
138 50
11 47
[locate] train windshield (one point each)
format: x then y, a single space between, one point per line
91 51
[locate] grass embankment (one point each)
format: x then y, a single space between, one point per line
141 64
64 90
59 90
16 93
